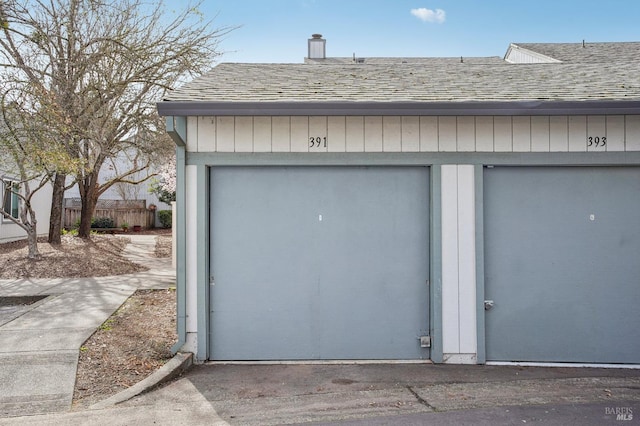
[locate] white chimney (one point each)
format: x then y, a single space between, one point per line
317 47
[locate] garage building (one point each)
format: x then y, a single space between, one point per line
459 210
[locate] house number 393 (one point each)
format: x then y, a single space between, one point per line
318 142
597 141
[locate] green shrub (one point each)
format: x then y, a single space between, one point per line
165 218
102 222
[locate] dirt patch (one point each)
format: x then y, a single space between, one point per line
99 256
20 300
133 343
163 246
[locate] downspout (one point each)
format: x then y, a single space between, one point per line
177 129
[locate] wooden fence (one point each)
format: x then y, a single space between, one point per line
134 213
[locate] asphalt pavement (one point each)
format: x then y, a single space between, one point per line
374 394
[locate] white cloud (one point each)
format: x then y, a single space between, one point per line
427 15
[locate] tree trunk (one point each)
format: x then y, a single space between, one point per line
55 219
89 201
30 224
32 240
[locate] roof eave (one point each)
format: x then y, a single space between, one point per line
468 108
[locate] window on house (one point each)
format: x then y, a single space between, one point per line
10 199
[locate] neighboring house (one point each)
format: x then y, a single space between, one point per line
10 186
460 210
9 231
124 191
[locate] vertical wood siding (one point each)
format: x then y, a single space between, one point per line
577 133
558 134
262 134
428 134
225 139
414 134
616 132
459 334
392 134
373 134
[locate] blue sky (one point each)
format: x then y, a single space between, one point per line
277 30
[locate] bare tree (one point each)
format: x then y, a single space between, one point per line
101 66
29 156
126 160
127 191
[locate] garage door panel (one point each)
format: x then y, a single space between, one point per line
280 330
344 245
561 251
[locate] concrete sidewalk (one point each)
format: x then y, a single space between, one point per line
39 343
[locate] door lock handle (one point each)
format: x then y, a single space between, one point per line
488 304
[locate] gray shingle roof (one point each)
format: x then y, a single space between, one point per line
598 72
412 82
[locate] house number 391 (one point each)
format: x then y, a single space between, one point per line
597 141
318 142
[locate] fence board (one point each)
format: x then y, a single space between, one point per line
132 216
